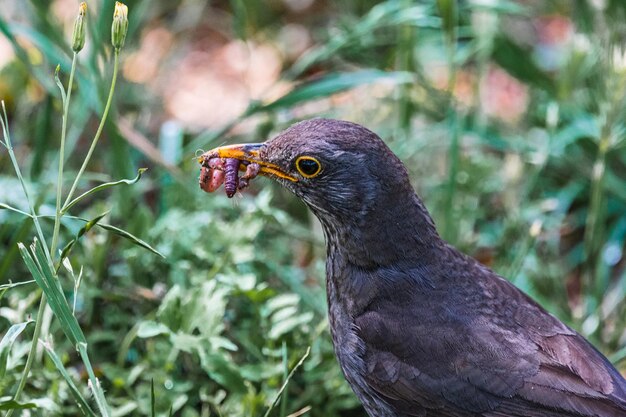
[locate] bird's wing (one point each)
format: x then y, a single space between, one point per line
486 350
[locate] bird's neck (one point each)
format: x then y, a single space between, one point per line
394 228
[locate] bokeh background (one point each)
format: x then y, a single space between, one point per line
509 115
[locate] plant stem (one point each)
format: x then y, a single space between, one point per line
42 305
31 352
595 222
283 400
405 62
7 136
66 106
449 230
98 133
282 388
55 236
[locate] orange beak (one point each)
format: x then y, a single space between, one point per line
247 152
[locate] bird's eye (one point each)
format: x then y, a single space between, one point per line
308 166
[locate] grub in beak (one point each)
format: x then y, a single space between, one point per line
222 165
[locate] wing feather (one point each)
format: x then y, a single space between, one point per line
482 350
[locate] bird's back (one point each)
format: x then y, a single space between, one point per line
448 337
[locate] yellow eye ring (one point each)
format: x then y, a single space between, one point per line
308 166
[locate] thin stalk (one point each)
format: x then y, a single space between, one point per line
7 136
453 153
449 230
283 400
405 62
32 352
595 218
57 219
595 221
282 388
55 235
98 133
42 305
518 262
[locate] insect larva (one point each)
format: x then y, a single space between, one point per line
211 174
231 176
252 170
205 174
216 171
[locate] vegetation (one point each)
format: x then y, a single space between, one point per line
138 294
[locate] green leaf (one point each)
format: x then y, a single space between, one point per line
57 80
285 326
14 405
151 328
8 207
519 62
37 264
223 371
117 231
12 30
83 405
585 126
87 227
385 14
10 285
334 83
261 371
96 388
449 16
7 341
500 6
101 187
128 236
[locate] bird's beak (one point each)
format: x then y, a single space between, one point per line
249 154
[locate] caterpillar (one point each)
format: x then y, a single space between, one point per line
231 176
216 171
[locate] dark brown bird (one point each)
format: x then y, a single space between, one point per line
419 328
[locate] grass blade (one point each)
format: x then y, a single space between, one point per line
282 388
78 396
283 400
14 405
7 341
129 236
59 84
36 262
152 399
94 383
44 277
120 232
10 285
102 187
8 207
4 122
87 227
334 83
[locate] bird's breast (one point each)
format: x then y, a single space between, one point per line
349 347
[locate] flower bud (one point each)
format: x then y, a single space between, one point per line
78 34
120 25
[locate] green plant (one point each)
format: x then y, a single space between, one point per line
42 261
499 110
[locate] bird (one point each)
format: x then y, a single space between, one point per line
419 328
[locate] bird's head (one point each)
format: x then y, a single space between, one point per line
337 168
344 172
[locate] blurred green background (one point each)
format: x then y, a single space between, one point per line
509 115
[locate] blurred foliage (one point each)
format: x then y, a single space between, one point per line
509 115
